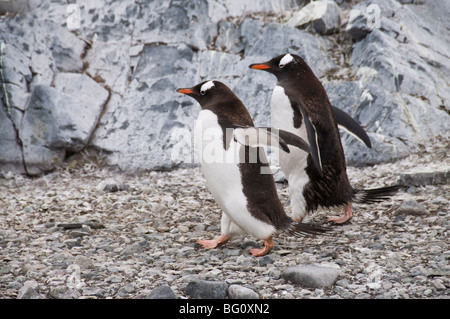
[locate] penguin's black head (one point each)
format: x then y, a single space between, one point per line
283 66
209 92
218 98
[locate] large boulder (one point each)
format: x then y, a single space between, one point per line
324 17
59 119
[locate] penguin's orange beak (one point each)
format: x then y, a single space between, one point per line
185 91
259 66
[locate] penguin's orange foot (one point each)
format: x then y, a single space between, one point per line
258 252
338 220
205 243
213 243
342 219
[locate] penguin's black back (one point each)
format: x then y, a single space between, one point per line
332 188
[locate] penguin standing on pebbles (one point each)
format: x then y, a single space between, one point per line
301 106
236 169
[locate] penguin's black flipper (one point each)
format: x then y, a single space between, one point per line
268 136
294 140
313 142
257 137
346 122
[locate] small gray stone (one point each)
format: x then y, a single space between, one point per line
437 283
311 276
93 291
247 260
114 279
84 262
63 292
115 187
241 292
201 289
363 295
126 290
81 232
411 207
29 291
112 186
135 248
249 244
70 225
274 273
265 260
183 229
162 292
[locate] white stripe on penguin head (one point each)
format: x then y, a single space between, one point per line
286 59
206 86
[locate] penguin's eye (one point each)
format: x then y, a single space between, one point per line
202 92
281 65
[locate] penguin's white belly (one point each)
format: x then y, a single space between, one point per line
223 177
292 164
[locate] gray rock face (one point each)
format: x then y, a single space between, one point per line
143 119
165 116
18 6
357 26
112 69
11 152
399 70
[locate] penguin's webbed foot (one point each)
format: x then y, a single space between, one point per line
342 219
258 252
213 243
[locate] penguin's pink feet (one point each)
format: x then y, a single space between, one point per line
342 219
268 245
213 243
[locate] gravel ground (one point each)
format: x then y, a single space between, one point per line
89 232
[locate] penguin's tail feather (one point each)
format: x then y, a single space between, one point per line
375 195
305 229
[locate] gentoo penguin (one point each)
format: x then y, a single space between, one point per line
301 106
234 169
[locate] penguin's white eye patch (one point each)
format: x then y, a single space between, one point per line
206 86
285 60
